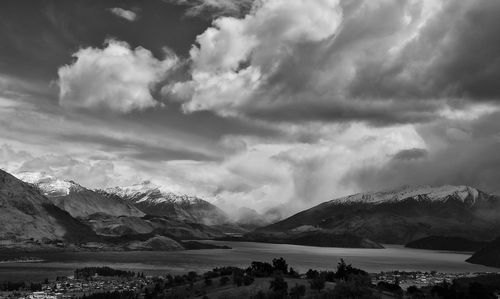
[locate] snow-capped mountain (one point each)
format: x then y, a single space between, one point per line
156 200
465 194
49 185
403 215
77 200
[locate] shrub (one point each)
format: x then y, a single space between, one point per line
297 291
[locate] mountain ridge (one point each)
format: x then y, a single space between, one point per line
402 215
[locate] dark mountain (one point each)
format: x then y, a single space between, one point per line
26 214
488 255
446 243
402 215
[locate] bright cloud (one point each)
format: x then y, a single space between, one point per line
124 13
116 78
383 62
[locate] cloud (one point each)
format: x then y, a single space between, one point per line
265 173
215 8
124 13
116 78
382 62
457 152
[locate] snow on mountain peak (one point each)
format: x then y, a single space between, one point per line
49 185
440 193
147 191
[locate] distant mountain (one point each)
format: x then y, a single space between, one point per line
155 200
25 213
77 200
446 243
402 215
488 255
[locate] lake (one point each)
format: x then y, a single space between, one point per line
301 258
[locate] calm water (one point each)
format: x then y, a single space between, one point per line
393 257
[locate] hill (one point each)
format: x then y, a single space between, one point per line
26 214
402 215
489 255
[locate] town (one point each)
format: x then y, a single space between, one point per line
252 282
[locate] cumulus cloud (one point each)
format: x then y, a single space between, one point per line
124 13
383 62
116 78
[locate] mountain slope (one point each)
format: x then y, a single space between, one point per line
25 213
154 200
77 200
488 255
403 215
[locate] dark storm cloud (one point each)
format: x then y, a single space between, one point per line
456 55
133 149
459 153
411 154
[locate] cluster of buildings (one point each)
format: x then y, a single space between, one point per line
76 288
419 279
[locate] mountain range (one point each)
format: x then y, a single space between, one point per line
47 210
155 200
398 216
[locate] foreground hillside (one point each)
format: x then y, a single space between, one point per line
400 216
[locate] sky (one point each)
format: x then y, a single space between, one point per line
265 104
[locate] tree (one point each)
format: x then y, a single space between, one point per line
223 280
317 283
280 265
297 291
344 271
293 273
208 281
248 279
260 269
279 285
238 277
311 274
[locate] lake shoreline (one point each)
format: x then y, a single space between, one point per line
393 257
